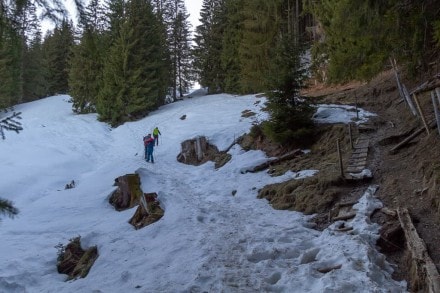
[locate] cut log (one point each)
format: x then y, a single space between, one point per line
265 165
421 261
344 217
388 212
409 138
344 229
329 269
346 204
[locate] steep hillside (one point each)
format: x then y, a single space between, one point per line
408 177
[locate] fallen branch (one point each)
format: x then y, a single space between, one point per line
409 138
265 165
344 229
344 217
388 212
329 269
422 262
348 203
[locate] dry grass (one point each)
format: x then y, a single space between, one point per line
315 194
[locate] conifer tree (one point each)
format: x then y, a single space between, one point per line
10 50
178 41
10 59
21 70
232 37
208 49
135 77
290 120
57 51
86 64
360 36
260 28
34 82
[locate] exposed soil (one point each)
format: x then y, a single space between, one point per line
408 178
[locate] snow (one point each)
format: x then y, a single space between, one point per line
365 173
332 113
208 240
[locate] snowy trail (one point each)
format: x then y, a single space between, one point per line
209 240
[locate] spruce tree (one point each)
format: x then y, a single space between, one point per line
10 52
86 64
34 83
11 49
290 121
135 77
361 36
208 45
232 37
57 52
179 46
260 28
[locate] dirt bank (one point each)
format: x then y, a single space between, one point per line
407 178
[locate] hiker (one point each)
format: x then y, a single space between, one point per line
145 139
149 147
145 145
156 133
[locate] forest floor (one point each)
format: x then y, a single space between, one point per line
408 178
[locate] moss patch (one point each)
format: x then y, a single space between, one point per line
310 195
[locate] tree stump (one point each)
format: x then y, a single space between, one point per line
128 192
75 261
193 150
148 211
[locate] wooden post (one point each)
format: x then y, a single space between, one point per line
356 104
437 91
421 113
199 149
402 89
436 110
351 135
341 167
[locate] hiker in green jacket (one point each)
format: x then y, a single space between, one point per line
156 133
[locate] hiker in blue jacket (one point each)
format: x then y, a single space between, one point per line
149 148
